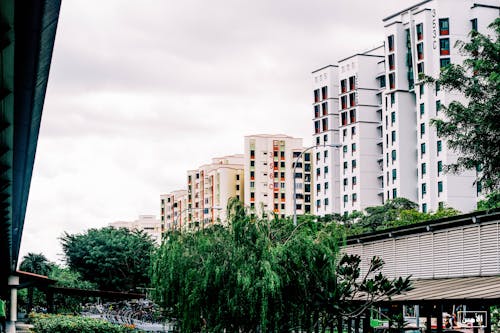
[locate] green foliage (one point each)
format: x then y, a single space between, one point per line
492 201
74 324
394 213
495 318
36 263
261 275
473 128
69 279
113 259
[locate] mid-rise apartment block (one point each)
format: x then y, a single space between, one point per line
148 224
389 147
420 41
174 210
210 187
360 111
325 113
271 164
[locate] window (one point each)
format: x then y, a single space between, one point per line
345 165
326 169
440 205
393 99
444 27
316 111
420 68
324 122
390 43
352 115
352 83
252 163
345 198
422 129
252 175
438 87
423 168
326 201
424 208
317 128
392 81
393 136
438 106
354 197
316 96
252 153
353 148
394 175
422 148
324 92
326 185
422 109
421 90
444 62
252 184
318 187
424 189
352 100
318 203
353 164
391 62
394 193
382 81
440 167
325 138
343 86
343 116
420 51
344 149
439 146
345 181
343 101
353 131
393 155
324 107
473 24
440 187
354 181
420 31
444 46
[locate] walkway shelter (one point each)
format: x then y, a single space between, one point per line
27 33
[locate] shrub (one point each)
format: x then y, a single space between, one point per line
44 323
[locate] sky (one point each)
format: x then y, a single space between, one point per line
141 92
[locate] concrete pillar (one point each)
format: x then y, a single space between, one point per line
13 284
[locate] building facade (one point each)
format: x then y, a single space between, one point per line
173 212
148 224
271 163
325 109
210 187
360 111
420 41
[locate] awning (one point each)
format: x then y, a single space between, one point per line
466 289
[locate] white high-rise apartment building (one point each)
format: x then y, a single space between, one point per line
210 187
420 40
148 224
174 210
269 171
326 176
360 130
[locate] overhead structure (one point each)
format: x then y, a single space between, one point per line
27 34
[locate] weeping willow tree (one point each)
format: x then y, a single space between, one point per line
262 275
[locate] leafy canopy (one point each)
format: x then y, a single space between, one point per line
113 259
473 127
263 275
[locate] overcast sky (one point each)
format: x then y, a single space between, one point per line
140 92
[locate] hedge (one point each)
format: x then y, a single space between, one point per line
44 323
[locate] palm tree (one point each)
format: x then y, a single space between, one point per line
35 263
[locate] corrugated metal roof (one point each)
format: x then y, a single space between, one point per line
467 288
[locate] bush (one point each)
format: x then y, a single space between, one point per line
44 323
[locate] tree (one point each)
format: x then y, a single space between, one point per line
35 263
472 128
260 275
114 259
